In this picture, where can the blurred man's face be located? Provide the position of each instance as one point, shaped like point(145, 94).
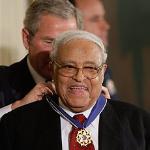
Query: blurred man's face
point(94, 18)
point(39, 46)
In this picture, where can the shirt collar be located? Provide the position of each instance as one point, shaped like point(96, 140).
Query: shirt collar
point(85, 113)
point(37, 78)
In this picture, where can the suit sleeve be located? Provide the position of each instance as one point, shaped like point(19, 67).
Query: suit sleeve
point(6, 134)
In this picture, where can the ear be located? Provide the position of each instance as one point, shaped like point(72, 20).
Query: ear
point(26, 38)
point(103, 71)
point(104, 67)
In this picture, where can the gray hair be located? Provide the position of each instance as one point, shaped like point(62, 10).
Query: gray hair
point(65, 37)
point(60, 8)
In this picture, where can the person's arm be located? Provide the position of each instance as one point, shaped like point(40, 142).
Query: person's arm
point(35, 94)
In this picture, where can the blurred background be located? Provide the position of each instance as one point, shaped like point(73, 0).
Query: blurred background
point(11, 23)
point(129, 48)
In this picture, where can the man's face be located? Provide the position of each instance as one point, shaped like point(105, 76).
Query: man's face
point(39, 46)
point(78, 92)
point(94, 18)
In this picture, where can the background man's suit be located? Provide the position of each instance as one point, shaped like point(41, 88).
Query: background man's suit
point(36, 126)
point(15, 82)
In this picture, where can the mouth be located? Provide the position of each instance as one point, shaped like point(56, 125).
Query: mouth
point(78, 90)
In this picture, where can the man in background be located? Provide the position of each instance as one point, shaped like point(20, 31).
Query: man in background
point(44, 20)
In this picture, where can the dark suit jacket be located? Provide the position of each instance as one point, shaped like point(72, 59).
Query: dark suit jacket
point(15, 82)
point(37, 127)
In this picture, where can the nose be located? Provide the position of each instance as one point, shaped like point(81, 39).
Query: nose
point(105, 25)
point(79, 76)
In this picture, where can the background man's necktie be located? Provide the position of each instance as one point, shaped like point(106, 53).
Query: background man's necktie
point(73, 144)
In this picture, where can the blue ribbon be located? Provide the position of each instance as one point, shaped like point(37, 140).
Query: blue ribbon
point(96, 110)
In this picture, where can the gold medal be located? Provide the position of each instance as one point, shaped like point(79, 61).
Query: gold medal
point(84, 137)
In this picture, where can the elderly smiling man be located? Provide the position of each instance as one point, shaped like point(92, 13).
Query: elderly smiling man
point(77, 116)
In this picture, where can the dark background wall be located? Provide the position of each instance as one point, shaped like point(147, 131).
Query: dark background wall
point(129, 49)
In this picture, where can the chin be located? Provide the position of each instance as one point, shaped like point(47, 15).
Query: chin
point(78, 109)
point(79, 102)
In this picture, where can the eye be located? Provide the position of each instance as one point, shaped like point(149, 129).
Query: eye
point(96, 19)
point(48, 41)
point(67, 66)
point(90, 68)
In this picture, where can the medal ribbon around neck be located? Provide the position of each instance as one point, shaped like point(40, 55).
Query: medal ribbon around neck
point(96, 110)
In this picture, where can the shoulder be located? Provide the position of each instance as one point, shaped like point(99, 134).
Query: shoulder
point(13, 73)
point(122, 106)
point(4, 70)
point(30, 110)
point(127, 110)
point(27, 116)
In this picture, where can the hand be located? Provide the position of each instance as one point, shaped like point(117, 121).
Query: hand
point(105, 92)
point(35, 94)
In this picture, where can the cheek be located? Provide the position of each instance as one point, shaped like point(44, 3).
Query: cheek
point(34, 47)
point(60, 83)
point(38, 46)
point(40, 52)
point(96, 86)
point(89, 27)
point(99, 79)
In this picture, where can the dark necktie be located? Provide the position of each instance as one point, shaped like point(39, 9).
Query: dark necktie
point(78, 138)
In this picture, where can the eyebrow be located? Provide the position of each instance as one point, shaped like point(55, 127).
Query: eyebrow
point(48, 38)
point(96, 17)
point(73, 62)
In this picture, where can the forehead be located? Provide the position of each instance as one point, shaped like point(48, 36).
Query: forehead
point(80, 51)
point(54, 25)
point(91, 7)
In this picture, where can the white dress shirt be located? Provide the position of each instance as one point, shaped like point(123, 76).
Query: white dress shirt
point(66, 128)
point(37, 78)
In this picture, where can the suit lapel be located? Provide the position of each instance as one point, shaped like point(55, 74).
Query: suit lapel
point(50, 137)
point(110, 129)
point(56, 132)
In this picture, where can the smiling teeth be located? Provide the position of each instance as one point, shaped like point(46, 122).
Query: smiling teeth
point(79, 88)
